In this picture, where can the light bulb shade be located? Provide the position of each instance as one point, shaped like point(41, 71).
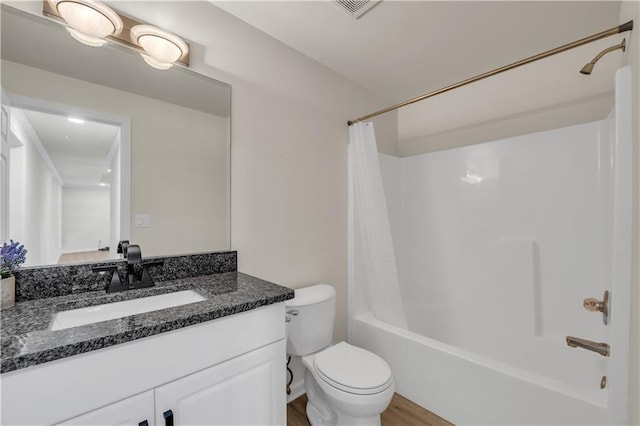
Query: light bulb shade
point(155, 63)
point(88, 17)
point(85, 39)
point(159, 45)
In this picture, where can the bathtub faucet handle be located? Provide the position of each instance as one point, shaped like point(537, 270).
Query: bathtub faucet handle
point(594, 305)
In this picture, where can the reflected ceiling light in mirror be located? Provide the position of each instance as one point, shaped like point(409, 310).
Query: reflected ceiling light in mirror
point(161, 48)
point(75, 120)
point(90, 20)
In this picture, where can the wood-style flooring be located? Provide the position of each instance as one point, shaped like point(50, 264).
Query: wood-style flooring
point(401, 412)
point(83, 256)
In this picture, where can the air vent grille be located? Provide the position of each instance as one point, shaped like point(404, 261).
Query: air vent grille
point(357, 8)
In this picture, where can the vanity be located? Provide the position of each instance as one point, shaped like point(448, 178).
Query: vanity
point(220, 360)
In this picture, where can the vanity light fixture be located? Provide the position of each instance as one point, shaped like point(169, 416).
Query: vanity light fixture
point(90, 21)
point(94, 23)
point(75, 120)
point(161, 48)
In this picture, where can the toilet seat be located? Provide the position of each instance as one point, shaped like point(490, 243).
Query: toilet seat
point(352, 369)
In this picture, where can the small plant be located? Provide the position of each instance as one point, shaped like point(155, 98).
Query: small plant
point(12, 256)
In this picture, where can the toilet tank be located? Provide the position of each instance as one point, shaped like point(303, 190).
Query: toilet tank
point(310, 317)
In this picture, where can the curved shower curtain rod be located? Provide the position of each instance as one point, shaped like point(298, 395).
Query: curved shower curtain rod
point(627, 26)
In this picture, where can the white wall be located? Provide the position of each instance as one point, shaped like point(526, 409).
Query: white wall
point(35, 195)
point(85, 219)
point(554, 117)
point(17, 202)
point(114, 203)
point(51, 229)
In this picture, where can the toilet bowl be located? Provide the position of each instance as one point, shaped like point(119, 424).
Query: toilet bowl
point(345, 385)
point(355, 383)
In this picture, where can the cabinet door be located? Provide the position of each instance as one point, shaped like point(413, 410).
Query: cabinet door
point(246, 390)
point(131, 411)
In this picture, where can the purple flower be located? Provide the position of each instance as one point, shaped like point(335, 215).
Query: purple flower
point(12, 256)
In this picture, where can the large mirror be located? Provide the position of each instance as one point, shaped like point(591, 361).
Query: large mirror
point(99, 147)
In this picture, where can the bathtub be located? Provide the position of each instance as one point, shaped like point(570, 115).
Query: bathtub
point(466, 388)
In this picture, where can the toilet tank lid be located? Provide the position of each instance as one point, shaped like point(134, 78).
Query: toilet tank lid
point(311, 295)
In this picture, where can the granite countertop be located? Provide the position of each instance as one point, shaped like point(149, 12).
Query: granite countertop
point(27, 339)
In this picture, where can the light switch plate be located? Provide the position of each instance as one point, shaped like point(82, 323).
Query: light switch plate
point(143, 221)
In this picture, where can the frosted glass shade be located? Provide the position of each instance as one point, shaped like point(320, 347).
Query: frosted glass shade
point(161, 47)
point(89, 18)
point(85, 39)
point(155, 63)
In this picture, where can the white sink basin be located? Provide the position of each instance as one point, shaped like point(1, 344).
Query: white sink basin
point(108, 311)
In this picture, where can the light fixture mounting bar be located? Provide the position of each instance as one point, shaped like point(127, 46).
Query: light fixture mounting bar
point(123, 38)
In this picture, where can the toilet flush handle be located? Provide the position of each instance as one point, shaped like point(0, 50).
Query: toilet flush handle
point(293, 312)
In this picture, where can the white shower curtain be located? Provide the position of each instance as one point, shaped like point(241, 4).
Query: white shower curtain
point(373, 245)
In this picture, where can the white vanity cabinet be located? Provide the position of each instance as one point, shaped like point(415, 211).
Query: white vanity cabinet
point(132, 411)
point(241, 391)
point(226, 371)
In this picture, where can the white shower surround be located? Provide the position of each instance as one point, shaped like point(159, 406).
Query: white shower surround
point(497, 245)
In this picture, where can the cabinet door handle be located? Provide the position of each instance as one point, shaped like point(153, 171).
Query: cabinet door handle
point(143, 423)
point(168, 418)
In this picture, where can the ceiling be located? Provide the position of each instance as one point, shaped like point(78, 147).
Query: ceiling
point(403, 49)
point(80, 152)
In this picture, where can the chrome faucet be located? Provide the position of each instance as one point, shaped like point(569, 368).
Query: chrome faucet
point(576, 342)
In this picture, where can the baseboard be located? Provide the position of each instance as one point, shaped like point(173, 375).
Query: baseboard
point(297, 390)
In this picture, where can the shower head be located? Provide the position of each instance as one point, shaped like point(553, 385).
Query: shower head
point(589, 66)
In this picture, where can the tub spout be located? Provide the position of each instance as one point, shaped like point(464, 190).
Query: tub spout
point(576, 342)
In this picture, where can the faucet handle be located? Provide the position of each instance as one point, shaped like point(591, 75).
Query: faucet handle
point(594, 305)
point(598, 347)
point(134, 254)
point(122, 247)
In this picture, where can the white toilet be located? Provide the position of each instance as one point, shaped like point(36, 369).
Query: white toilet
point(345, 385)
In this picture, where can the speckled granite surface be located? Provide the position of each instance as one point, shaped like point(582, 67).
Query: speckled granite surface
point(26, 339)
point(49, 281)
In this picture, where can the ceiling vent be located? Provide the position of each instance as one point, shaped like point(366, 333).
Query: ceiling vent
point(357, 8)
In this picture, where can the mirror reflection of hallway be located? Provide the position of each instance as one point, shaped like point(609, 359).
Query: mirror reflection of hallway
point(64, 187)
